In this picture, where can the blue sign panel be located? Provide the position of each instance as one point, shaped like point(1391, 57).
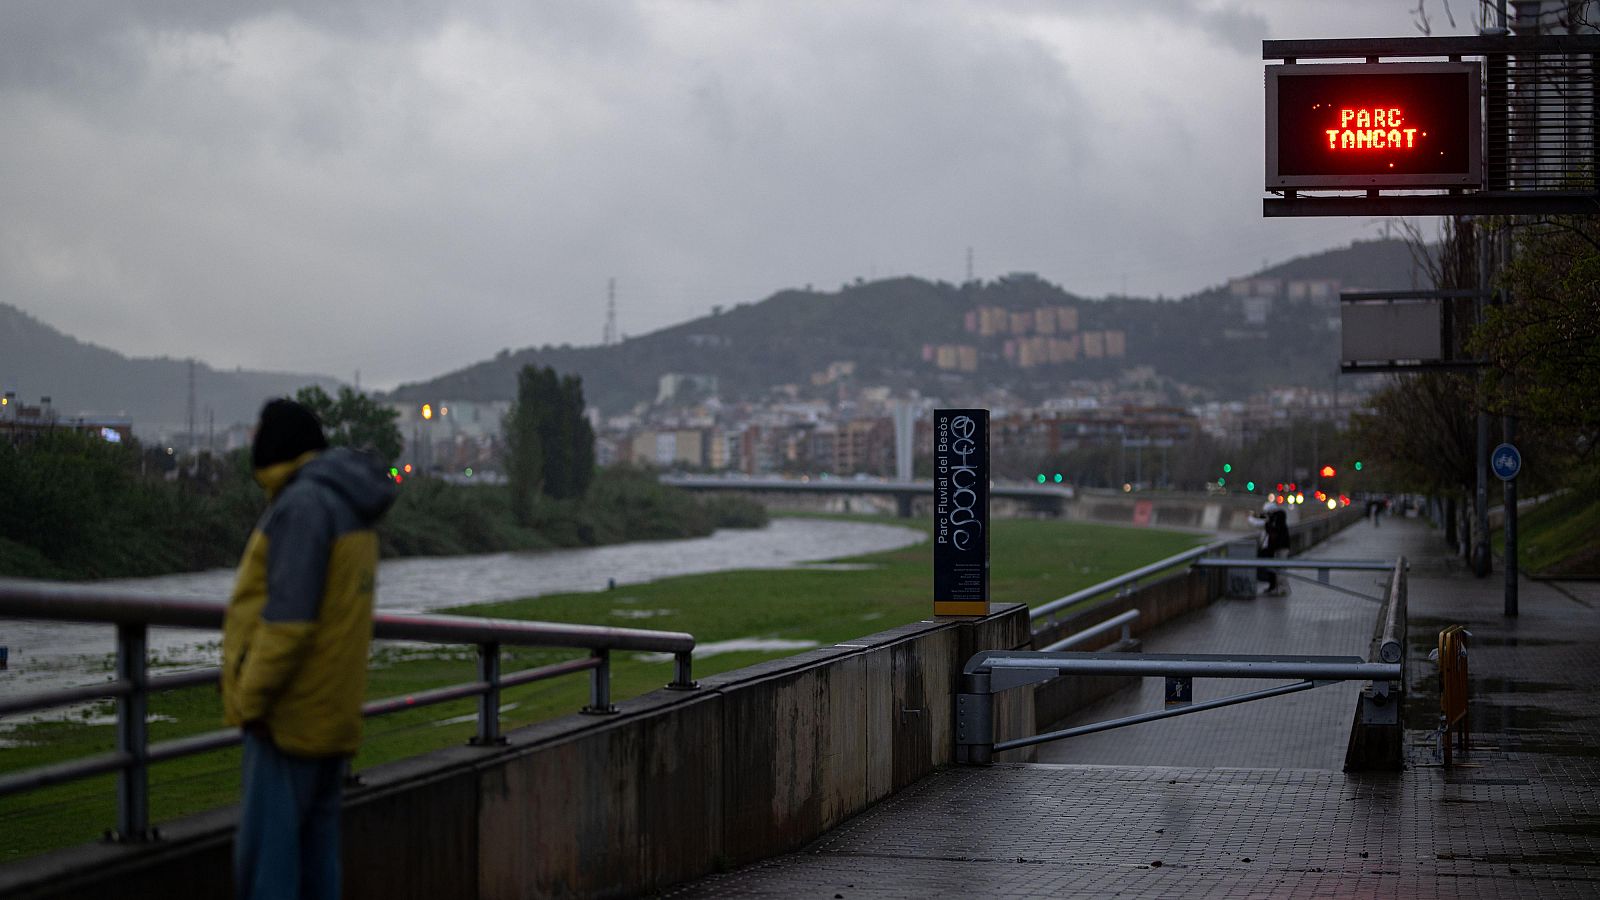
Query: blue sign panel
point(1505, 462)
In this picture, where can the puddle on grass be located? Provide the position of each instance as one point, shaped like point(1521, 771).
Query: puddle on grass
point(764, 645)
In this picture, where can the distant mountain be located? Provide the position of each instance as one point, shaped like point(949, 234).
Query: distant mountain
point(1215, 340)
point(38, 361)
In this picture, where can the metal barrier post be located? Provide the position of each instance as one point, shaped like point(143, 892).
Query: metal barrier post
point(975, 721)
point(489, 701)
point(133, 781)
point(600, 685)
point(682, 672)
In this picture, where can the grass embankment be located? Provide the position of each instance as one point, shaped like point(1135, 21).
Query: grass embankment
point(77, 507)
point(1032, 562)
point(1557, 538)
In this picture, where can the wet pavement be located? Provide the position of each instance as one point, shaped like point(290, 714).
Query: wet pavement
point(1257, 806)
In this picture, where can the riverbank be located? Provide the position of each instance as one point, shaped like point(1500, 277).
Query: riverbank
point(738, 617)
point(79, 508)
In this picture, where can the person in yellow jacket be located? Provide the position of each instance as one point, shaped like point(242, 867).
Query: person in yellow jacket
point(294, 650)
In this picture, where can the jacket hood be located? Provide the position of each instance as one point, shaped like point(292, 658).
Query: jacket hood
point(358, 478)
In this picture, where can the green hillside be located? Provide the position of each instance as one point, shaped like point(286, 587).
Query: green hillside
point(39, 361)
point(882, 327)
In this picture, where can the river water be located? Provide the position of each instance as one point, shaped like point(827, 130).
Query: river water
point(54, 654)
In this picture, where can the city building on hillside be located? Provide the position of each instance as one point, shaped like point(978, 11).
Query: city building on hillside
point(677, 386)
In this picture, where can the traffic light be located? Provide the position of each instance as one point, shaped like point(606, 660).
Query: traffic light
point(1327, 472)
point(1222, 482)
point(1057, 478)
point(1358, 465)
point(1249, 485)
point(1041, 478)
point(1227, 468)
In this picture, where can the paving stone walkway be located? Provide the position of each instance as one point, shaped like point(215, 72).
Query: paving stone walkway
point(1258, 808)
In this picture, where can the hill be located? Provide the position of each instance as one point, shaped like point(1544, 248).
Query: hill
point(80, 378)
point(1224, 344)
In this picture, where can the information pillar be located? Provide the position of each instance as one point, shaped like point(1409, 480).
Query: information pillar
point(961, 512)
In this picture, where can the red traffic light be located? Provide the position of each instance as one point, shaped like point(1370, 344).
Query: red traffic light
point(1327, 471)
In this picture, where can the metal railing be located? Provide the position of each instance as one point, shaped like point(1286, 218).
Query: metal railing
point(1044, 615)
point(990, 672)
point(1123, 620)
point(133, 615)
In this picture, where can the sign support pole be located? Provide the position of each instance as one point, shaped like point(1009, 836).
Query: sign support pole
point(1509, 427)
point(1481, 564)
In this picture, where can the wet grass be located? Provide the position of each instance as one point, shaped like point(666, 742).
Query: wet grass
point(1032, 561)
point(1556, 539)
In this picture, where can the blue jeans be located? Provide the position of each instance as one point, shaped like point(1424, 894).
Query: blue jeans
point(288, 840)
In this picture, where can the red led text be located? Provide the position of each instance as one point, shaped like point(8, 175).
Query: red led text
point(1371, 129)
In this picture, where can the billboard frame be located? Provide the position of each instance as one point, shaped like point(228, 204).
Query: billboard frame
point(1448, 322)
point(1472, 177)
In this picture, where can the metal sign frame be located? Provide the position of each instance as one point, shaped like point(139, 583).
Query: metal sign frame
point(1517, 176)
point(1448, 356)
point(1471, 174)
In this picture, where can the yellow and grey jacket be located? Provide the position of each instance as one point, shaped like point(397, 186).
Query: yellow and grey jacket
point(299, 624)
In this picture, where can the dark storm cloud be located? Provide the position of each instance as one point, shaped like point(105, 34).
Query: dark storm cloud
point(404, 188)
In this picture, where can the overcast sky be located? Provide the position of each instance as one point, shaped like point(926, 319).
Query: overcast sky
point(403, 188)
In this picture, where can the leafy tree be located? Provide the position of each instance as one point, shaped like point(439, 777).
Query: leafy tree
point(549, 443)
point(1544, 346)
point(570, 468)
point(1421, 434)
point(355, 420)
point(524, 443)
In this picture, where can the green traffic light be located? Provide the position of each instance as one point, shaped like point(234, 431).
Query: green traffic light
point(1358, 465)
point(1041, 478)
point(1222, 482)
point(1249, 485)
point(1058, 478)
point(1227, 467)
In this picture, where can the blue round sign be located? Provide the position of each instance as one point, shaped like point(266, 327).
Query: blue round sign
point(1505, 462)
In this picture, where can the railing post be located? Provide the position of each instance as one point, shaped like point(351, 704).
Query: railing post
point(600, 686)
point(975, 721)
point(489, 701)
point(133, 782)
point(682, 672)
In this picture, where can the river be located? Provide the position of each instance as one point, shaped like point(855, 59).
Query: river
point(54, 654)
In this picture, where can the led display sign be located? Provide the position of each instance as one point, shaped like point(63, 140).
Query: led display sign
point(1374, 125)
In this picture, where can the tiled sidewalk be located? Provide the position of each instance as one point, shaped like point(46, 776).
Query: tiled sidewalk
point(1519, 818)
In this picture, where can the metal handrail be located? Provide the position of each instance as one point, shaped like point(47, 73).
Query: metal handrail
point(1048, 610)
point(133, 614)
point(1124, 620)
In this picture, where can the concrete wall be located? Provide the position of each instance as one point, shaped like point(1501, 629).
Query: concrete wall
point(755, 763)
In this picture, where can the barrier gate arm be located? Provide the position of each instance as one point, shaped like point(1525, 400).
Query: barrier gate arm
point(992, 671)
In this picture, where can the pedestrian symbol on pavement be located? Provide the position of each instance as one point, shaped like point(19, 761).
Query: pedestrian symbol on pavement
point(1180, 690)
point(1506, 462)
